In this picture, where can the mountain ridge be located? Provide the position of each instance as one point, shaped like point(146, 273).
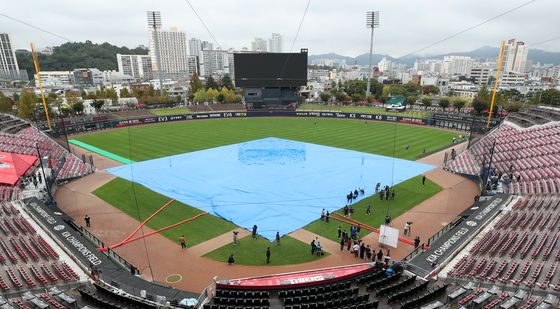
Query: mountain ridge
point(484, 52)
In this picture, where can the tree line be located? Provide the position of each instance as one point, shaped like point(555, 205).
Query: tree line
point(73, 55)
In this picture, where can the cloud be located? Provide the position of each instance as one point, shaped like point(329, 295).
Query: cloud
point(329, 26)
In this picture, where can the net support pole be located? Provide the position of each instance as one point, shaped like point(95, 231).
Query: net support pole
point(496, 82)
point(38, 70)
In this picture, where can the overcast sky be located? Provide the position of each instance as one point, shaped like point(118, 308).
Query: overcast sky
point(330, 26)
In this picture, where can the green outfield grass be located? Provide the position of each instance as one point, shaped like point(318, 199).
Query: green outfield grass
point(119, 193)
point(407, 195)
point(170, 111)
point(253, 252)
point(159, 140)
point(361, 109)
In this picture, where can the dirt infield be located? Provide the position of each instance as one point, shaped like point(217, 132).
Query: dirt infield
point(166, 257)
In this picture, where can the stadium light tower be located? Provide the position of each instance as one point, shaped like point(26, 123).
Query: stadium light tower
point(154, 22)
point(372, 23)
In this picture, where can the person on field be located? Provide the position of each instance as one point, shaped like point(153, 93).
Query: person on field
point(88, 221)
point(267, 255)
point(235, 235)
point(327, 216)
point(183, 242)
point(423, 180)
point(254, 233)
point(231, 260)
point(368, 209)
point(278, 238)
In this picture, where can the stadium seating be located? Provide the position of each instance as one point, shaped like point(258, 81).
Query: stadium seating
point(521, 249)
point(530, 157)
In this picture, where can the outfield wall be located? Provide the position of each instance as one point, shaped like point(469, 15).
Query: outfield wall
point(450, 122)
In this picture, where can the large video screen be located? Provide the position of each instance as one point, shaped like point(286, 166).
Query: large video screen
point(270, 69)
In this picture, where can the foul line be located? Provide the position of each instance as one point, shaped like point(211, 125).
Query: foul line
point(100, 151)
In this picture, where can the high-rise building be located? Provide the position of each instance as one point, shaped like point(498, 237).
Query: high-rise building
point(195, 47)
point(168, 50)
point(216, 63)
point(384, 64)
point(275, 43)
point(258, 45)
point(207, 45)
point(9, 69)
point(138, 67)
point(515, 56)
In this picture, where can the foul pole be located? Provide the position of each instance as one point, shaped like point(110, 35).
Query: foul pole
point(37, 70)
point(496, 82)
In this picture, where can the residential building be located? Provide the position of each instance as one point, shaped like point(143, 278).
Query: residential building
point(258, 45)
point(215, 63)
point(385, 64)
point(54, 79)
point(138, 67)
point(456, 65)
point(9, 69)
point(513, 79)
point(275, 43)
point(481, 74)
point(171, 46)
point(195, 47)
point(463, 89)
point(192, 65)
point(207, 45)
point(514, 57)
point(87, 77)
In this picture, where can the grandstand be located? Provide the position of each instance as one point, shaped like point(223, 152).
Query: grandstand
point(505, 251)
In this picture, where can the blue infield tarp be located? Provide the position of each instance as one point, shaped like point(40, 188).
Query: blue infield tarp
point(279, 185)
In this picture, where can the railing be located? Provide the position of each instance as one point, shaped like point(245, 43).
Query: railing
point(206, 295)
point(437, 235)
point(110, 253)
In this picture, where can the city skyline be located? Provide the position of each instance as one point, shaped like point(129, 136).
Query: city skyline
point(326, 28)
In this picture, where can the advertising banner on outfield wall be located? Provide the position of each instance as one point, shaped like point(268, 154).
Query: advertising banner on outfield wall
point(100, 125)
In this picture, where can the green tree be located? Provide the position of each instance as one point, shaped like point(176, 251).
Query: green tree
point(231, 97)
point(426, 101)
point(69, 56)
point(200, 96)
point(78, 107)
point(6, 103)
point(444, 103)
point(221, 97)
point(459, 103)
point(194, 86)
point(370, 98)
point(111, 93)
point(355, 87)
point(227, 82)
point(211, 83)
point(212, 94)
point(27, 102)
point(430, 89)
point(98, 104)
point(479, 105)
point(357, 97)
point(325, 96)
point(550, 97)
point(124, 93)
